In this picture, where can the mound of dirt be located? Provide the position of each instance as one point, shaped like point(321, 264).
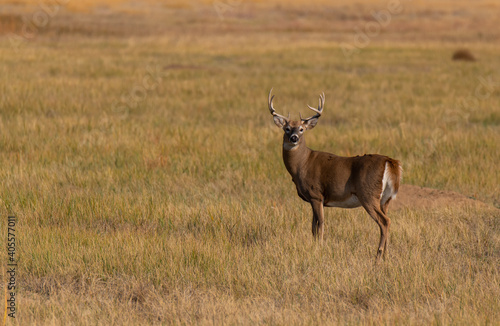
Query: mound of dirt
point(419, 197)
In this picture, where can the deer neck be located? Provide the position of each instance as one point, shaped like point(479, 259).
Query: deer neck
point(295, 157)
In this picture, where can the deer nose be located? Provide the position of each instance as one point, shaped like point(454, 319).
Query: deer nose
point(294, 138)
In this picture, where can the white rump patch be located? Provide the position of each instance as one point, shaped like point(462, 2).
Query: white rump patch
point(387, 186)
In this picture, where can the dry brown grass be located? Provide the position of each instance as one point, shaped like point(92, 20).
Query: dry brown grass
point(328, 20)
point(177, 209)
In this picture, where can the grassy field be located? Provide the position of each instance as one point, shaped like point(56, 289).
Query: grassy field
point(145, 171)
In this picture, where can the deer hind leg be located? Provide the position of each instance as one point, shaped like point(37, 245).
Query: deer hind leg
point(385, 208)
point(384, 223)
point(318, 220)
point(315, 226)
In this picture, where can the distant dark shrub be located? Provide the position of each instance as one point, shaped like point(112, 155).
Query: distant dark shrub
point(464, 55)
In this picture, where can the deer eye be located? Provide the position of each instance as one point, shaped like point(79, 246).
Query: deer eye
point(287, 130)
point(301, 129)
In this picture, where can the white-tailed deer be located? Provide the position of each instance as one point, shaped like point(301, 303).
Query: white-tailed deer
point(324, 179)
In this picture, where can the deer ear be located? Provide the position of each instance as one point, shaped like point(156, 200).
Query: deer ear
point(279, 121)
point(311, 123)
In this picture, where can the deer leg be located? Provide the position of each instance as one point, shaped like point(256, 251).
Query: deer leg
point(383, 222)
point(384, 233)
point(315, 226)
point(385, 208)
point(318, 220)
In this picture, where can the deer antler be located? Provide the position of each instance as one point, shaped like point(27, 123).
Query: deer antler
point(318, 111)
point(271, 108)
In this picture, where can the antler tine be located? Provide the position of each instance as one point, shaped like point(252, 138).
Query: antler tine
point(271, 108)
point(315, 110)
point(319, 110)
point(270, 101)
point(322, 100)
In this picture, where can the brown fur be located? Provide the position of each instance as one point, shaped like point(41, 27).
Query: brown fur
point(324, 179)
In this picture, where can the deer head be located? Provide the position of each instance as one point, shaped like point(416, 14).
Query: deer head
point(295, 129)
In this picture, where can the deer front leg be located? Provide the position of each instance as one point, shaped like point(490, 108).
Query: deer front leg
point(318, 219)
